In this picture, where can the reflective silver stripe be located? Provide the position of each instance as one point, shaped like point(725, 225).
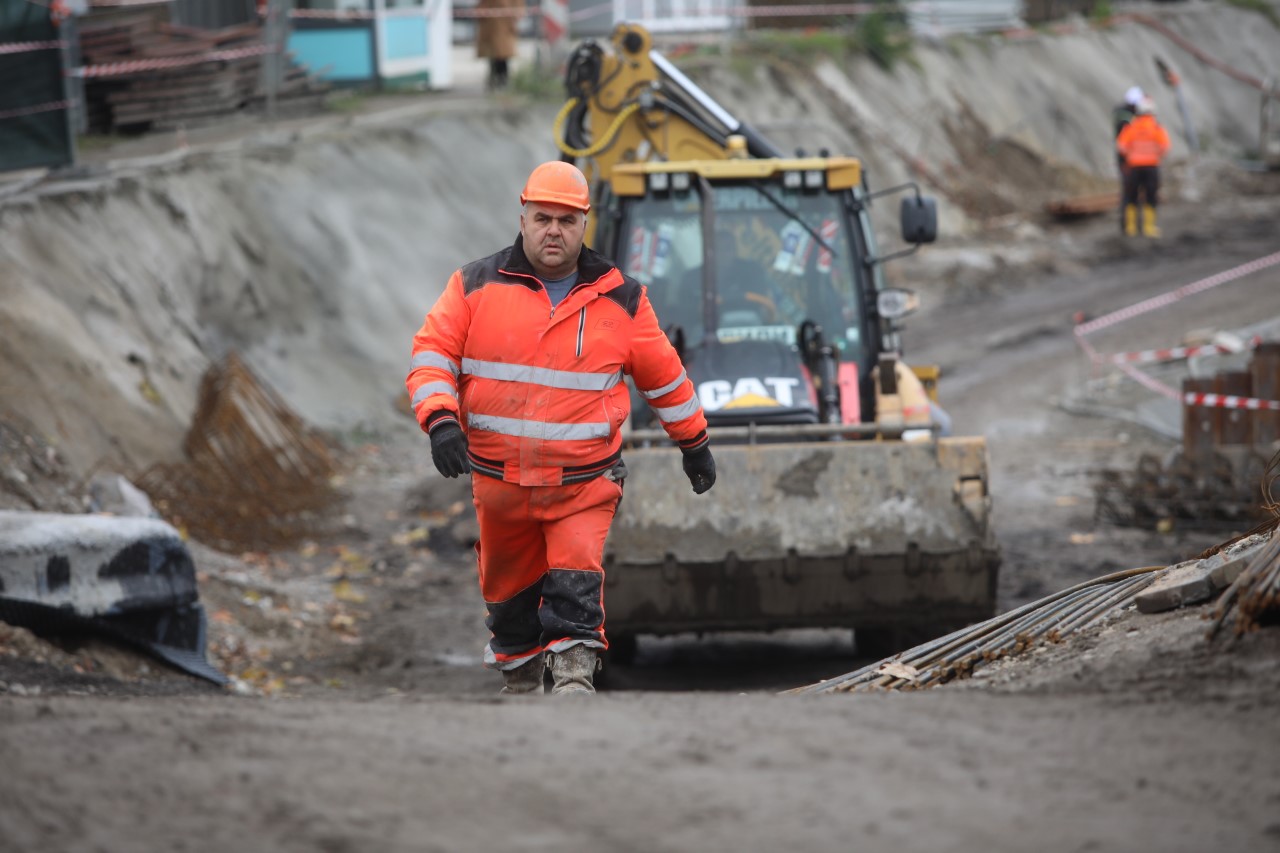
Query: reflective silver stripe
point(582, 325)
point(434, 359)
point(564, 645)
point(537, 429)
point(666, 389)
point(433, 388)
point(569, 380)
point(492, 662)
point(671, 414)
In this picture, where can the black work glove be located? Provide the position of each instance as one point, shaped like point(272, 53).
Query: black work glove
point(700, 468)
point(449, 449)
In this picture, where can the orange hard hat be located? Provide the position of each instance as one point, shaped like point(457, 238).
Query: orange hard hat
point(557, 182)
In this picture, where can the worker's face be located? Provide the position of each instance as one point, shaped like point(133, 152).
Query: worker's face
point(553, 236)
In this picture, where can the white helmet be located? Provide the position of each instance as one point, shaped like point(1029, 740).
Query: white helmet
point(1133, 95)
point(1145, 107)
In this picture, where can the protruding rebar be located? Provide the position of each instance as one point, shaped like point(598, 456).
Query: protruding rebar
point(957, 654)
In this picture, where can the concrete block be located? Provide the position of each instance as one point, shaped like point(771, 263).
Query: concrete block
point(1199, 580)
point(1178, 586)
point(1224, 570)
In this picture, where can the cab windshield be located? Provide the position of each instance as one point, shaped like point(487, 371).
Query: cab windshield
point(782, 256)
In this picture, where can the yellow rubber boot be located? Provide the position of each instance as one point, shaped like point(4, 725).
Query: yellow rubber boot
point(1149, 227)
point(1131, 220)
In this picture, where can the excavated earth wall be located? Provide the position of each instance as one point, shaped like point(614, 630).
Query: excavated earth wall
point(316, 251)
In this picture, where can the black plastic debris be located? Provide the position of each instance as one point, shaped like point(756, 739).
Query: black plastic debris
point(131, 580)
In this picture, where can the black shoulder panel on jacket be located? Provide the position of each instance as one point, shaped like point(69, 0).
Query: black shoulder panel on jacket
point(491, 270)
point(592, 266)
point(627, 295)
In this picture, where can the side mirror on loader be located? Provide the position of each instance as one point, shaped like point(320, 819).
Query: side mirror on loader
point(919, 216)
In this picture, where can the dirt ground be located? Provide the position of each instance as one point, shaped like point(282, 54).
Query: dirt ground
point(359, 717)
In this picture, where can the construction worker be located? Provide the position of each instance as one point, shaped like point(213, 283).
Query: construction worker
point(1143, 143)
point(517, 376)
point(497, 34)
point(1121, 115)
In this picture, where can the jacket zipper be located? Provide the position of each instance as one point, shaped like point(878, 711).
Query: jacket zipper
point(582, 325)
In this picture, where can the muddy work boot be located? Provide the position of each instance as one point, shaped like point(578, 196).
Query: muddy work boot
point(572, 670)
point(527, 677)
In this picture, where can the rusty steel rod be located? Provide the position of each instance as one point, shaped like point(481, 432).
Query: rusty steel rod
point(938, 660)
point(1118, 599)
point(1038, 623)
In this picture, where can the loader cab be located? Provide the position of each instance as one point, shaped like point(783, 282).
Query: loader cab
point(753, 267)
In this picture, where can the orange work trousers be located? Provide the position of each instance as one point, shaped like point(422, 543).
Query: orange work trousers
point(540, 557)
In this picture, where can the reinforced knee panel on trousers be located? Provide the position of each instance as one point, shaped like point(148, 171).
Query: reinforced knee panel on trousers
point(514, 624)
point(572, 605)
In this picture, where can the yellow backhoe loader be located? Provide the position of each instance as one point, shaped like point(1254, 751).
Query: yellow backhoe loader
point(840, 503)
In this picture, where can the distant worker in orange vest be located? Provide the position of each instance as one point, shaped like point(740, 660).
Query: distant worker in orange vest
point(1143, 143)
point(518, 377)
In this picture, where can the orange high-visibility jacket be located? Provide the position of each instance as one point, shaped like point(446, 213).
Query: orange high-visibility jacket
point(1143, 141)
point(540, 390)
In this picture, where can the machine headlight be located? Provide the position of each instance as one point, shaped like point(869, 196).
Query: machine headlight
point(791, 180)
point(680, 181)
point(659, 182)
point(813, 179)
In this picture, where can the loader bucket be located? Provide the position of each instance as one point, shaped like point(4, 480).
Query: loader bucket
point(865, 534)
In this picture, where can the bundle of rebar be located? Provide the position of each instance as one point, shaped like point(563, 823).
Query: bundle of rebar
point(959, 653)
point(1253, 600)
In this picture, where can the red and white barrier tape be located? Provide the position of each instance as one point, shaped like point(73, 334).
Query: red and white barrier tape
point(1225, 401)
point(427, 11)
point(491, 13)
point(30, 46)
point(1149, 382)
point(34, 110)
point(794, 11)
point(1124, 361)
point(136, 66)
point(1155, 356)
point(715, 11)
point(1192, 398)
point(1155, 302)
point(331, 14)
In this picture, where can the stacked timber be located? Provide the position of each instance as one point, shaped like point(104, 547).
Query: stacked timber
point(144, 73)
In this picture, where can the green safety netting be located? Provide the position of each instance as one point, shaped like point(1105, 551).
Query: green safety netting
point(33, 131)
